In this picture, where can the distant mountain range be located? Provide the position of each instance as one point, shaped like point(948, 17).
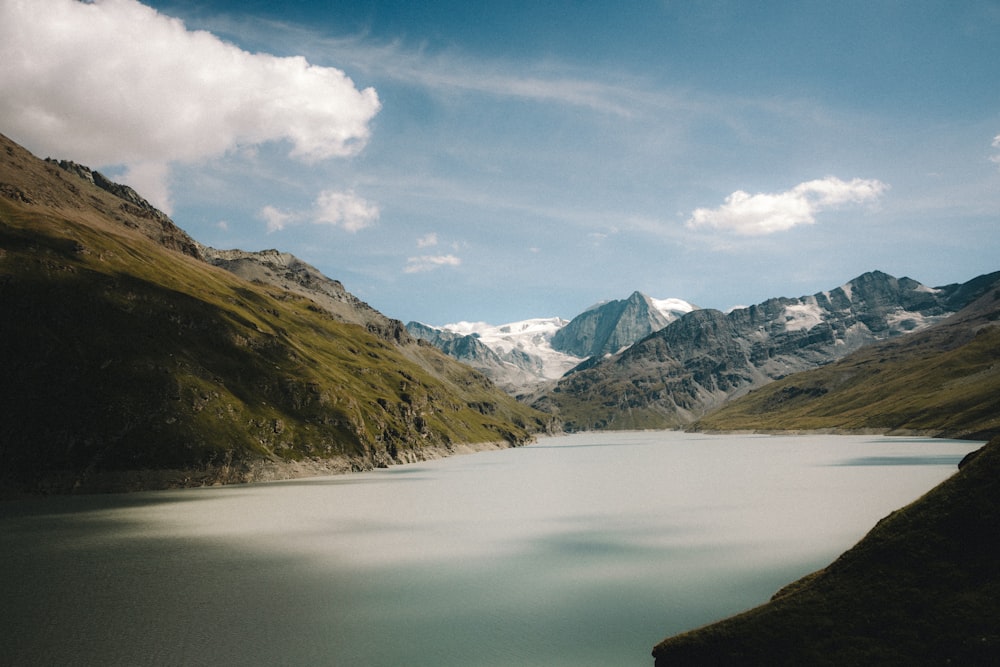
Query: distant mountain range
point(696, 363)
point(134, 357)
point(521, 356)
point(943, 380)
point(646, 363)
point(517, 356)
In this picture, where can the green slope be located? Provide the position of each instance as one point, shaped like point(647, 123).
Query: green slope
point(119, 354)
point(941, 381)
point(922, 588)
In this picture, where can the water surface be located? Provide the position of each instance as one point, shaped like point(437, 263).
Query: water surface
point(579, 550)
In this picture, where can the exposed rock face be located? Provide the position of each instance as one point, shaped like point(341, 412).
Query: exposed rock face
point(153, 223)
point(697, 362)
point(610, 327)
point(66, 186)
point(942, 380)
point(467, 349)
point(284, 270)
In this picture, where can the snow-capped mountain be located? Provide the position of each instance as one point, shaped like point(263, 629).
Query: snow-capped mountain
point(702, 359)
point(519, 356)
point(612, 326)
point(514, 361)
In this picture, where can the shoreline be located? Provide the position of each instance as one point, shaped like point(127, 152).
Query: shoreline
point(131, 481)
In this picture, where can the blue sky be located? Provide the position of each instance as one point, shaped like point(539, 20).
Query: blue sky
point(497, 161)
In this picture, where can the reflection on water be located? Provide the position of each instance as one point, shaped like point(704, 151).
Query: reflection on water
point(582, 550)
point(929, 460)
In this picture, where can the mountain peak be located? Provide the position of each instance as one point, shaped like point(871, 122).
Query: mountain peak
point(614, 325)
point(68, 186)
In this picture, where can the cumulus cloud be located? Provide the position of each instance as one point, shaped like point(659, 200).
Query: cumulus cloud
point(429, 263)
point(344, 209)
point(276, 219)
point(111, 82)
point(337, 209)
point(767, 213)
point(427, 240)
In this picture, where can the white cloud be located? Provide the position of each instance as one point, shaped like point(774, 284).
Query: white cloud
point(344, 209)
point(276, 220)
point(996, 144)
point(152, 181)
point(430, 263)
point(112, 82)
point(427, 240)
point(337, 209)
point(767, 213)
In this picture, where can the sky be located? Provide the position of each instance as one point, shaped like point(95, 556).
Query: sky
point(498, 161)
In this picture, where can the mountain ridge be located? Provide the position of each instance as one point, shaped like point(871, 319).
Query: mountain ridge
point(132, 362)
point(706, 357)
point(931, 381)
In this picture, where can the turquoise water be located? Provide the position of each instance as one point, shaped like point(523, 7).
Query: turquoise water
point(579, 550)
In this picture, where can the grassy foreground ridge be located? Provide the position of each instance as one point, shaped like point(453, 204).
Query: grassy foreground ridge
point(922, 588)
point(124, 358)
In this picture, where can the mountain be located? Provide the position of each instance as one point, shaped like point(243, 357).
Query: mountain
point(511, 373)
point(706, 357)
point(922, 588)
point(943, 380)
point(283, 270)
point(614, 325)
point(517, 356)
point(132, 361)
point(531, 353)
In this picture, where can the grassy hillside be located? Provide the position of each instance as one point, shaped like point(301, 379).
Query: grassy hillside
point(922, 588)
point(119, 354)
point(941, 381)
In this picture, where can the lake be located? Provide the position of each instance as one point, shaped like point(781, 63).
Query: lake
point(578, 550)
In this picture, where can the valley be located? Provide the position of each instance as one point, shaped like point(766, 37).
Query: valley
point(137, 358)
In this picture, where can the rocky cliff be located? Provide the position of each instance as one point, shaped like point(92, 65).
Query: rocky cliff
point(610, 327)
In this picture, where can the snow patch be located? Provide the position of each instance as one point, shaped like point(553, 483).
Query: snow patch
point(672, 308)
point(906, 321)
point(803, 316)
point(533, 337)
